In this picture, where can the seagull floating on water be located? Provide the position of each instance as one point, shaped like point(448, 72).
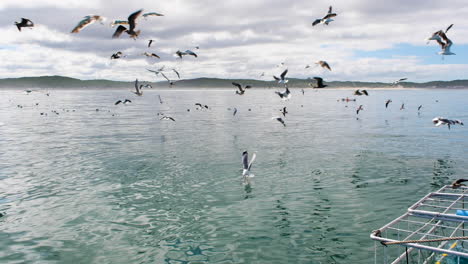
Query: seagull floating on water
point(24, 23)
point(326, 19)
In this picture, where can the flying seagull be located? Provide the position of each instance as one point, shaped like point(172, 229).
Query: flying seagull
point(359, 109)
point(398, 81)
point(126, 101)
point(116, 55)
point(131, 24)
point(187, 52)
point(246, 165)
point(419, 107)
point(153, 55)
point(361, 92)
point(167, 118)
point(279, 119)
point(402, 107)
point(165, 77)
point(319, 83)
point(284, 95)
point(235, 112)
point(326, 19)
point(284, 111)
point(87, 20)
point(24, 23)
point(157, 71)
point(119, 22)
point(444, 121)
point(281, 79)
point(445, 45)
point(152, 14)
point(150, 42)
point(387, 103)
point(436, 36)
point(160, 100)
point(324, 65)
point(240, 90)
point(138, 90)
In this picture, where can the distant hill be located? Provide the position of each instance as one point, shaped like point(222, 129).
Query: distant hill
point(67, 82)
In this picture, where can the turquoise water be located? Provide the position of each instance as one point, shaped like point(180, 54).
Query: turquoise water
point(120, 186)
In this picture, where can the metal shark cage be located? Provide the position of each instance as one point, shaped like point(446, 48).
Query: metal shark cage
point(433, 230)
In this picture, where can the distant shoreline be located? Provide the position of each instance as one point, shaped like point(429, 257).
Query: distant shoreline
point(61, 82)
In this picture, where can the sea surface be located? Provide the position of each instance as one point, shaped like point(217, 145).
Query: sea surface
point(105, 183)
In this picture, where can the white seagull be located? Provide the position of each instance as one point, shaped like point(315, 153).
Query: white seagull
point(247, 165)
point(326, 19)
point(438, 121)
point(282, 79)
point(286, 95)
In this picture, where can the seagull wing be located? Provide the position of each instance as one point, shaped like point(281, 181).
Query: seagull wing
point(252, 161)
point(449, 27)
point(365, 92)
point(165, 77)
point(149, 43)
point(155, 55)
point(152, 14)
point(178, 75)
point(88, 20)
point(120, 29)
point(316, 21)
point(284, 74)
point(118, 102)
point(329, 16)
point(330, 10)
point(189, 52)
point(245, 160)
point(132, 19)
point(136, 86)
point(276, 78)
point(237, 85)
point(324, 64)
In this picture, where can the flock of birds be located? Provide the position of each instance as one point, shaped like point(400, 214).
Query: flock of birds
point(129, 27)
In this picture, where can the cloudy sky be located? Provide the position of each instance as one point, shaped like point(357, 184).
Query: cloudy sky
point(370, 40)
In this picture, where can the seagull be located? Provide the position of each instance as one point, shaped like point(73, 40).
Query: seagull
point(445, 46)
point(152, 14)
point(419, 107)
point(282, 76)
point(154, 55)
point(116, 55)
point(187, 52)
point(247, 165)
point(165, 77)
point(402, 106)
point(126, 101)
point(160, 100)
point(241, 90)
point(398, 81)
point(148, 86)
point(263, 74)
point(132, 24)
point(459, 183)
point(303, 92)
point(279, 119)
point(284, 111)
point(307, 66)
point(157, 71)
point(319, 83)
point(167, 118)
point(284, 95)
point(24, 23)
point(119, 22)
point(87, 20)
point(326, 19)
point(202, 106)
point(324, 65)
point(436, 36)
point(444, 121)
point(361, 92)
point(176, 72)
point(138, 90)
point(235, 112)
point(387, 103)
point(150, 42)
point(359, 109)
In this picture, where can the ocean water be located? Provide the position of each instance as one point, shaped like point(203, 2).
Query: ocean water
point(118, 185)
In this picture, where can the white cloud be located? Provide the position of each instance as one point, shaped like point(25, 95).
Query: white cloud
point(237, 39)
